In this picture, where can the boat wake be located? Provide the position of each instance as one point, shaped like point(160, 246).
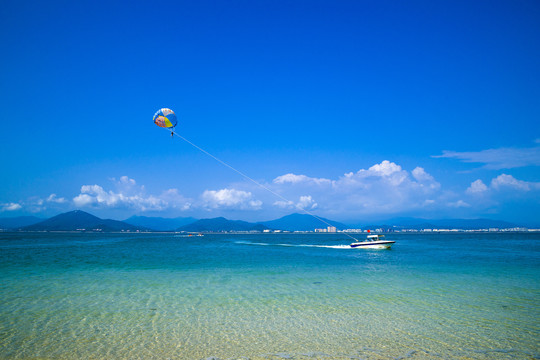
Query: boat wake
point(294, 245)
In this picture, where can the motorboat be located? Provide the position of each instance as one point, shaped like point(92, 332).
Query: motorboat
point(373, 242)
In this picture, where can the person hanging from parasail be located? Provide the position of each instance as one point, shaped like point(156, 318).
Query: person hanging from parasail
point(165, 118)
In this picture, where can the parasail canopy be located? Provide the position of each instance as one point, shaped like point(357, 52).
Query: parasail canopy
point(165, 118)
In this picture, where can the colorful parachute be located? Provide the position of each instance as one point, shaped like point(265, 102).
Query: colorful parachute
point(165, 118)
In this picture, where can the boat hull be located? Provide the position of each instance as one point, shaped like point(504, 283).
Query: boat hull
point(373, 244)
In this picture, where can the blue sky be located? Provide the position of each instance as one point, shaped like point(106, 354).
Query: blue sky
point(353, 110)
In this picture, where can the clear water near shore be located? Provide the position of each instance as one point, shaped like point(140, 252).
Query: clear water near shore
point(268, 296)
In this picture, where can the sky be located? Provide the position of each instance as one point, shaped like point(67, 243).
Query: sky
point(351, 110)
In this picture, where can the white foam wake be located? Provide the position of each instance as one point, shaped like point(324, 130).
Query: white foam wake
point(294, 245)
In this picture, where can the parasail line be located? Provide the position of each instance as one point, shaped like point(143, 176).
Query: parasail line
point(253, 181)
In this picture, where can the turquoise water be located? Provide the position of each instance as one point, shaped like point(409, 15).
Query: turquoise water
point(271, 296)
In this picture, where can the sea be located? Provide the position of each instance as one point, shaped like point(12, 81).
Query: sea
point(269, 296)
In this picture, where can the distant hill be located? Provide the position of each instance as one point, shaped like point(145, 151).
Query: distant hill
point(13, 223)
point(159, 223)
point(76, 220)
point(302, 222)
point(221, 224)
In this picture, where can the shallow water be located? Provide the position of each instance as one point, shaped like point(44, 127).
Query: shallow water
point(271, 296)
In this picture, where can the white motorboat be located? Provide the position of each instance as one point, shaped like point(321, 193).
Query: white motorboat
point(373, 242)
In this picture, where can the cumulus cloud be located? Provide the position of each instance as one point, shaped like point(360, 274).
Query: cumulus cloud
point(501, 193)
point(230, 199)
point(10, 207)
point(386, 173)
point(477, 187)
point(83, 199)
point(175, 200)
point(305, 202)
point(425, 179)
point(126, 181)
point(299, 179)
point(508, 181)
point(388, 176)
point(95, 195)
point(386, 168)
point(130, 196)
point(502, 158)
point(503, 182)
point(382, 188)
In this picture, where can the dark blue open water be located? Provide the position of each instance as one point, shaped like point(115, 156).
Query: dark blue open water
point(271, 296)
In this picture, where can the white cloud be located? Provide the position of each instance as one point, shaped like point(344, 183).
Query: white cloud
point(386, 172)
point(459, 204)
point(176, 200)
point(386, 168)
point(501, 183)
point(500, 194)
point(508, 181)
point(83, 200)
point(230, 199)
point(126, 180)
point(129, 196)
point(425, 179)
point(383, 188)
point(96, 195)
point(305, 202)
point(477, 187)
point(54, 199)
point(501, 190)
point(297, 179)
point(388, 176)
point(422, 176)
point(284, 204)
point(35, 204)
point(290, 178)
point(502, 158)
point(10, 207)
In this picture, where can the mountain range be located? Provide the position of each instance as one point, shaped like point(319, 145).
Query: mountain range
point(302, 222)
point(293, 222)
point(78, 219)
point(160, 223)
